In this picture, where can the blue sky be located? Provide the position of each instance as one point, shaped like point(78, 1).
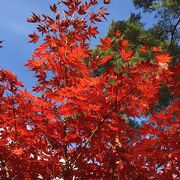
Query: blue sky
point(15, 29)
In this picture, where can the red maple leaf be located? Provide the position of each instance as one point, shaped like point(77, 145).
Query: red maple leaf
point(126, 55)
point(34, 38)
point(93, 31)
point(106, 43)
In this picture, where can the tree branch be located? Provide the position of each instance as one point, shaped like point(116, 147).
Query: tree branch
point(172, 34)
point(6, 169)
point(102, 121)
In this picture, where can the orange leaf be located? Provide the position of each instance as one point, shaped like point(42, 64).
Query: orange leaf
point(164, 58)
point(17, 151)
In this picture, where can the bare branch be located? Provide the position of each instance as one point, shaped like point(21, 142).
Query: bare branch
point(172, 34)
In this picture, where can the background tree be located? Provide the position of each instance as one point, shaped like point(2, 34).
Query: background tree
point(167, 12)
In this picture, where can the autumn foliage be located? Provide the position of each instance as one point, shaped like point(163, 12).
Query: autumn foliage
point(77, 126)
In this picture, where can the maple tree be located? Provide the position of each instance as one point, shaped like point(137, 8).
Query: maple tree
point(75, 128)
